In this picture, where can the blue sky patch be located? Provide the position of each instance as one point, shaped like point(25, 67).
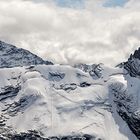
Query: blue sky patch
point(71, 3)
point(81, 3)
point(114, 3)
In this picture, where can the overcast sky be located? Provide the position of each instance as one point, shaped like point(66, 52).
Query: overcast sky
point(73, 31)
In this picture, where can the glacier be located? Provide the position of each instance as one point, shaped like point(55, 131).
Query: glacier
point(45, 101)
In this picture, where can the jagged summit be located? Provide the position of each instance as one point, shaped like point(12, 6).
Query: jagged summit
point(137, 54)
point(11, 56)
point(94, 70)
point(61, 102)
point(133, 64)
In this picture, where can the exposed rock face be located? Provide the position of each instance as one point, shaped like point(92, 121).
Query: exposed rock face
point(126, 106)
point(125, 110)
point(94, 70)
point(133, 122)
point(10, 56)
point(9, 91)
point(34, 135)
point(56, 76)
point(42, 100)
point(133, 64)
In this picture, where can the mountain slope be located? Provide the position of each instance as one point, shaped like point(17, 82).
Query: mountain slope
point(59, 100)
point(10, 56)
point(133, 64)
point(128, 104)
point(90, 102)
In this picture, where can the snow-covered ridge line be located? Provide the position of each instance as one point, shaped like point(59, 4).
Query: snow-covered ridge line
point(11, 56)
point(40, 105)
point(90, 102)
point(133, 64)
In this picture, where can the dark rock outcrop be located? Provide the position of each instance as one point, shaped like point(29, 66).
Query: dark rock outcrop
point(133, 64)
point(34, 135)
point(9, 92)
point(94, 70)
point(53, 76)
point(11, 56)
point(126, 108)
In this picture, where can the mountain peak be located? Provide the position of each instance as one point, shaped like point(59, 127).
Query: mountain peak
point(137, 53)
point(11, 56)
point(133, 64)
point(63, 102)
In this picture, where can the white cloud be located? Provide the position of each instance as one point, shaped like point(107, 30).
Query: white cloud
point(65, 35)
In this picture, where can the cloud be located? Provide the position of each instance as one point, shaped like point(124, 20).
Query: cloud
point(90, 34)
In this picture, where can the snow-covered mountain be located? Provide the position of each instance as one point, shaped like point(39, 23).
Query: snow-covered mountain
point(84, 102)
point(11, 56)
